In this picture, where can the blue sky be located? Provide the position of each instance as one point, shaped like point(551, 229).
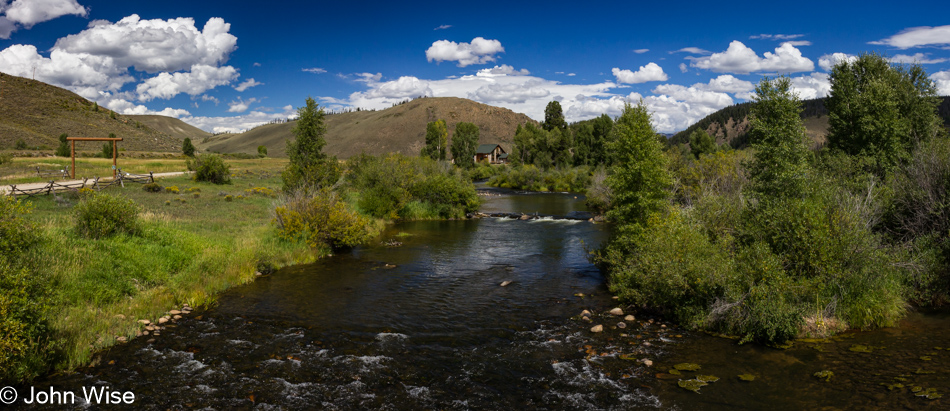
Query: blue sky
point(228, 66)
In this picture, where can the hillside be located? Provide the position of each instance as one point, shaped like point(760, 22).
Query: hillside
point(38, 113)
point(174, 127)
point(726, 128)
point(397, 129)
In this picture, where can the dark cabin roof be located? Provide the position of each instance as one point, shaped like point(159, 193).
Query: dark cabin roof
point(487, 148)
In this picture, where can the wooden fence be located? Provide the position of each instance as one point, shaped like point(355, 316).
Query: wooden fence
point(94, 184)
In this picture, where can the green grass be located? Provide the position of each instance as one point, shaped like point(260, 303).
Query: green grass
point(187, 252)
point(23, 169)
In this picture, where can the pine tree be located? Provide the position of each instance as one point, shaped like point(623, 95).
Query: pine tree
point(187, 148)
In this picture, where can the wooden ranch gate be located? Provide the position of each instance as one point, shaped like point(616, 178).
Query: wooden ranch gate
point(115, 150)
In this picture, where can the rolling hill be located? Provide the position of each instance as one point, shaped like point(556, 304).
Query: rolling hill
point(38, 113)
point(174, 127)
point(397, 129)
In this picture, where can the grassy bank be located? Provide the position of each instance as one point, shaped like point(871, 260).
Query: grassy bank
point(23, 169)
point(188, 246)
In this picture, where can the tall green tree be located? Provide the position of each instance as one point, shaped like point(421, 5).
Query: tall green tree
point(780, 167)
point(541, 148)
point(554, 117)
point(880, 110)
point(700, 142)
point(464, 144)
point(309, 165)
point(640, 180)
point(437, 137)
point(306, 149)
point(598, 150)
point(583, 136)
point(63, 150)
point(187, 148)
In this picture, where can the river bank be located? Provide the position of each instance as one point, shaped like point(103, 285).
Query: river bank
point(190, 248)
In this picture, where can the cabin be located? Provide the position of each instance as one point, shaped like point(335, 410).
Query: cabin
point(493, 152)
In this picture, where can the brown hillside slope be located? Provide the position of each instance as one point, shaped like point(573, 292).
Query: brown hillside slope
point(397, 129)
point(38, 113)
point(174, 127)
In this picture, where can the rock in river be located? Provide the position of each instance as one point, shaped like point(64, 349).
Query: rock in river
point(616, 311)
point(597, 328)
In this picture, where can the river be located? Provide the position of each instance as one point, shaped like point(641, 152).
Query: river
point(423, 322)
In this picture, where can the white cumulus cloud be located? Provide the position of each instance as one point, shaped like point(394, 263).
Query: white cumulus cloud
point(510, 92)
point(828, 61)
point(726, 83)
point(942, 78)
point(649, 72)
point(201, 78)
point(918, 37)
point(814, 85)
point(479, 51)
point(740, 59)
point(240, 106)
point(246, 84)
point(710, 100)
point(314, 70)
point(502, 70)
point(155, 45)
point(30, 12)
point(85, 74)
point(123, 106)
point(404, 87)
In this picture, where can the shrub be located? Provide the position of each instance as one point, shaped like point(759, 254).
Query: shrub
point(484, 170)
point(27, 345)
point(322, 173)
point(211, 168)
point(261, 151)
point(16, 233)
point(172, 189)
point(322, 220)
point(532, 178)
point(262, 191)
point(21, 145)
point(598, 193)
point(676, 269)
point(386, 185)
point(152, 188)
point(6, 158)
point(102, 215)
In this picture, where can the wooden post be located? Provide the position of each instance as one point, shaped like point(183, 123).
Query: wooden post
point(72, 153)
point(114, 154)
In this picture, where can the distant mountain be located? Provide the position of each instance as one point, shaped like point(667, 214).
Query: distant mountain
point(38, 113)
point(399, 129)
point(731, 124)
